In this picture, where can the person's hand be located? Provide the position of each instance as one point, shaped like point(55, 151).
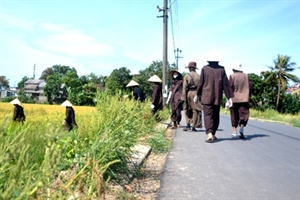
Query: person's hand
point(63, 123)
point(152, 106)
point(195, 99)
point(229, 103)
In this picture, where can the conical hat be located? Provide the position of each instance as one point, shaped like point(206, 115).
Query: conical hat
point(213, 56)
point(67, 103)
point(16, 101)
point(237, 65)
point(154, 79)
point(132, 83)
point(171, 72)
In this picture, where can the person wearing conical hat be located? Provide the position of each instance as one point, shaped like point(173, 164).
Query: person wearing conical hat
point(213, 81)
point(192, 110)
point(18, 111)
point(69, 121)
point(138, 93)
point(239, 111)
point(157, 97)
point(174, 97)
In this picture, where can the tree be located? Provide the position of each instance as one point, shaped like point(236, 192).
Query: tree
point(62, 70)
point(118, 80)
point(155, 68)
point(257, 88)
point(47, 72)
point(52, 87)
point(280, 72)
point(22, 82)
point(4, 83)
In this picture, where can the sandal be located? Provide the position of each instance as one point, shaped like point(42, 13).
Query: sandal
point(209, 140)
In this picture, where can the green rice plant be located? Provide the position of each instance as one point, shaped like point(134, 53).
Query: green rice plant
point(40, 159)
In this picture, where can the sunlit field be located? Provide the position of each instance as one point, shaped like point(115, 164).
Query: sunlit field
point(35, 152)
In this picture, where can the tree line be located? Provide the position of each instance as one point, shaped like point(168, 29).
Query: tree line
point(269, 88)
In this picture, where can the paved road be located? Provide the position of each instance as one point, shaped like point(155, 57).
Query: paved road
point(264, 166)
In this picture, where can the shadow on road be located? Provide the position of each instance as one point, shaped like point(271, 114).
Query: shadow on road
point(247, 137)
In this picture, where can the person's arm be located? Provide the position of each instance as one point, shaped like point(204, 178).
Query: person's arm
point(226, 86)
point(200, 85)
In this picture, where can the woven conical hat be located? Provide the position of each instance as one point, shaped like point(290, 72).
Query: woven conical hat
point(67, 103)
point(16, 101)
point(154, 79)
point(132, 83)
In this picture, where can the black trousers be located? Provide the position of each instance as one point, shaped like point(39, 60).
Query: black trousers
point(211, 118)
point(239, 114)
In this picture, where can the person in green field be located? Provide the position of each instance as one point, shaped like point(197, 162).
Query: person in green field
point(157, 97)
point(18, 111)
point(138, 93)
point(69, 121)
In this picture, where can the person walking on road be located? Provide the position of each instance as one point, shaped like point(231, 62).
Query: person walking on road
point(175, 97)
point(69, 121)
point(157, 97)
point(193, 110)
point(18, 111)
point(239, 111)
point(138, 93)
point(213, 81)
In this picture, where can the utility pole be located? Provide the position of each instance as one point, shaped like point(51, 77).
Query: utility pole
point(165, 49)
point(34, 71)
point(177, 51)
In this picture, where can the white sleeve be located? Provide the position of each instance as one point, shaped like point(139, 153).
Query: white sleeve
point(169, 96)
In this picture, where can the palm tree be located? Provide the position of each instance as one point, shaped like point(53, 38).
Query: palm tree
point(281, 74)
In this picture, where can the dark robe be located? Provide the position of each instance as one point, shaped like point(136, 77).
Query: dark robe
point(157, 97)
point(138, 94)
point(70, 118)
point(175, 100)
point(19, 113)
point(213, 81)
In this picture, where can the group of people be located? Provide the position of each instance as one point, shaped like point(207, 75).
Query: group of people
point(69, 122)
point(204, 92)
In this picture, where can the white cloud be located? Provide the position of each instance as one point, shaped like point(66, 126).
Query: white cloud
point(71, 42)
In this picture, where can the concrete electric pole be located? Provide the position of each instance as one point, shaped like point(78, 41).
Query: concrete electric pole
point(165, 49)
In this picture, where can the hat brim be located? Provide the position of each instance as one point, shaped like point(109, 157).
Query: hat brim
point(171, 72)
point(192, 67)
point(16, 102)
point(67, 104)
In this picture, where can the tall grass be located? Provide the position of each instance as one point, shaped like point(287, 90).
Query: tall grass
point(40, 159)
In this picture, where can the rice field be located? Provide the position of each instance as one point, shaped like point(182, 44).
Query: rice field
point(34, 153)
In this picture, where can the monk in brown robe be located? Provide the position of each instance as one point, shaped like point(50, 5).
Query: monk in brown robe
point(213, 81)
point(18, 111)
point(239, 111)
point(175, 97)
point(69, 121)
point(157, 97)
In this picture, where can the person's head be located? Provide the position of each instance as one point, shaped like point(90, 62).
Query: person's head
point(237, 66)
point(155, 79)
point(16, 102)
point(67, 104)
point(192, 66)
point(132, 84)
point(174, 74)
point(213, 57)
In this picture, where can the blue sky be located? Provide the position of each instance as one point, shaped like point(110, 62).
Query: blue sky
point(102, 35)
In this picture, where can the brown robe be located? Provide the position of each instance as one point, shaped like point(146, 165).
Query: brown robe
point(70, 118)
point(19, 113)
point(241, 86)
point(213, 81)
point(176, 103)
point(157, 97)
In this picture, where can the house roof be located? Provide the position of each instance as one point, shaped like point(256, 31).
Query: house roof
point(34, 81)
point(30, 87)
